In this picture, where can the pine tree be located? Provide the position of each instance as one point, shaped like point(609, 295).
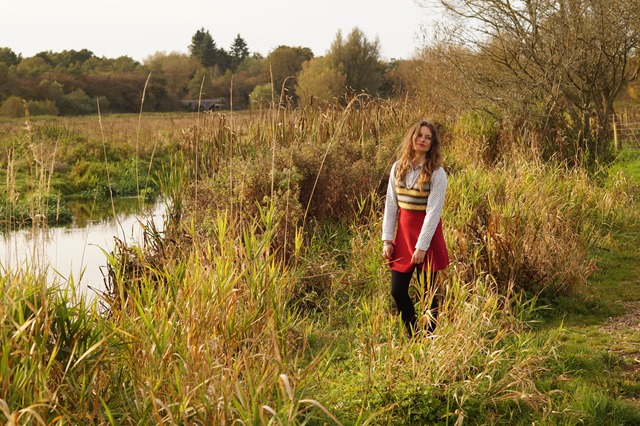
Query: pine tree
point(239, 51)
point(203, 48)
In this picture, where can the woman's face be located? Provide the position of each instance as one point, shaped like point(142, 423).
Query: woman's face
point(422, 140)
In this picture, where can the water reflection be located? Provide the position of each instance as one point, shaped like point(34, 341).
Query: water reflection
point(77, 251)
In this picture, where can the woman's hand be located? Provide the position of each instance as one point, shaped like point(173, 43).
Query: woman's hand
point(387, 250)
point(418, 257)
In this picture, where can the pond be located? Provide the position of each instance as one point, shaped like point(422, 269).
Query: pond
point(77, 252)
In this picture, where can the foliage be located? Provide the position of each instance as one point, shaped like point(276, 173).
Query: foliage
point(319, 81)
point(71, 82)
point(8, 57)
point(42, 108)
point(238, 52)
point(262, 95)
point(262, 302)
point(96, 179)
point(13, 106)
point(204, 49)
point(359, 59)
point(27, 211)
point(551, 70)
point(176, 69)
point(283, 65)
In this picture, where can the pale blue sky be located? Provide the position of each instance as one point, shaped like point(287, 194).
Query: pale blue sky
point(138, 28)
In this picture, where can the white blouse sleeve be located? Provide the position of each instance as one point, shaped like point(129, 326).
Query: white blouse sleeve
point(390, 208)
point(435, 203)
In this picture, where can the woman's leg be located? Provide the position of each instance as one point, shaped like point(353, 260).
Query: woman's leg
point(400, 291)
point(430, 293)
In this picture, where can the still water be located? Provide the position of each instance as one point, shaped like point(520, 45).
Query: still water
point(77, 252)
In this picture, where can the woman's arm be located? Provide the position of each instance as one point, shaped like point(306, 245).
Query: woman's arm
point(390, 208)
point(435, 204)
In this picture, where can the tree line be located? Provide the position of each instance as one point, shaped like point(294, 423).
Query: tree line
point(548, 76)
point(78, 82)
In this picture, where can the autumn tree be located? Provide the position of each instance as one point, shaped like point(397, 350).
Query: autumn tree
point(262, 95)
point(121, 64)
point(358, 59)
point(68, 60)
point(319, 80)
point(176, 69)
point(8, 61)
point(33, 66)
point(283, 64)
point(552, 68)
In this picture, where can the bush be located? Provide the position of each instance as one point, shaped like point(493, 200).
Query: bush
point(13, 106)
point(527, 224)
point(77, 103)
point(34, 209)
point(99, 180)
point(42, 108)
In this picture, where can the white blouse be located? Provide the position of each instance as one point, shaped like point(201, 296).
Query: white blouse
point(435, 203)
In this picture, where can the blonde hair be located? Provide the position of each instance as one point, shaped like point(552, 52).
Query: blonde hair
point(433, 157)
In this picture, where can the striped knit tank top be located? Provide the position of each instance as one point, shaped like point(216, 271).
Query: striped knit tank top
point(413, 198)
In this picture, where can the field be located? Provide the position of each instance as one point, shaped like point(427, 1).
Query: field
point(267, 299)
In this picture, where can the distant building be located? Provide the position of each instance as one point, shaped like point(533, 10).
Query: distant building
point(214, 104)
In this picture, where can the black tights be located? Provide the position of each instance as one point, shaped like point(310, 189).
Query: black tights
point(400, 282)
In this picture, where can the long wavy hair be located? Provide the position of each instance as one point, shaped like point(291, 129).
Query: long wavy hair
point(433, 157)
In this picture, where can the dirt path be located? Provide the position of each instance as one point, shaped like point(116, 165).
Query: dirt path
point(626, 330)
point(630, 320)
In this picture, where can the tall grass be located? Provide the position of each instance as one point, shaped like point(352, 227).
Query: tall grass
point(266, 300)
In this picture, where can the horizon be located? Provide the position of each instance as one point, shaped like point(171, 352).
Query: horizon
point(142, 30)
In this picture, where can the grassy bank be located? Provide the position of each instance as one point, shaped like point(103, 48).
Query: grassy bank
point(267, 300)
point(48, 160)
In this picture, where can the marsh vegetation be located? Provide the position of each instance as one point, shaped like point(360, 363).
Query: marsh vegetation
point(264, 300)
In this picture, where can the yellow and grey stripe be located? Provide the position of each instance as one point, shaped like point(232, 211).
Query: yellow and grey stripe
point(412, 199)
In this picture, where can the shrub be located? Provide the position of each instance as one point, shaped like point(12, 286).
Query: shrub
point(13, 106)
point(42, 107)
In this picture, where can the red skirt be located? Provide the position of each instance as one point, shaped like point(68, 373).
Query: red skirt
point(409, 226)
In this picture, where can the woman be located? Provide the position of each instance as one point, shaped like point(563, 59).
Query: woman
point(412, 228)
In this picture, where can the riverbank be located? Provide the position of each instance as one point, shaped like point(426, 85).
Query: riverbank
point(76, 254)
point(249, 309)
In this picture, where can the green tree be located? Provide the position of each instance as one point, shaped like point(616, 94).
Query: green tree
point(319, 80)
point(77, 103)
point(358, 59)
point(202, 84)
point(7, 81)
point(8, 57)
point(50, 90)
point(284, 63)
point(261, 96)
point(238, 52)
point(121, 64)
point(13, 106)
point(122, 90)
point(46, 107)
point(69, 59)
point(176, 69)
point(33, 66)
point(203, 48)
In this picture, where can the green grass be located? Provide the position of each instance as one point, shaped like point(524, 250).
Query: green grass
point(216, 322)
point(628, 161)
point(596, 365)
